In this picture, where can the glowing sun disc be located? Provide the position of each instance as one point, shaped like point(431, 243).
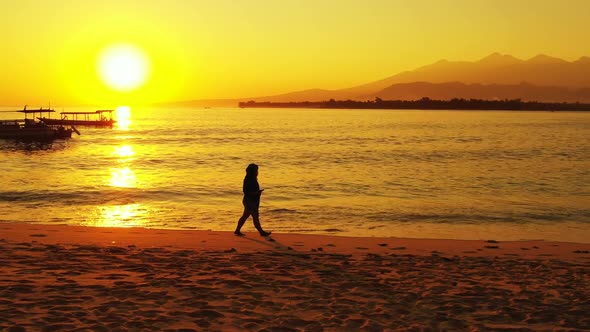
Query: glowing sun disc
point(123, 67)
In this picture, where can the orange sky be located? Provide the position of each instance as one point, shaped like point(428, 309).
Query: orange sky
point(237, 49)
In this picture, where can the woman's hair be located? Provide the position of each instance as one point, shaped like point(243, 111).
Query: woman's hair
point(251, 170)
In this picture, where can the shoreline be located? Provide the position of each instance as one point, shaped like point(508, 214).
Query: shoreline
point(56, 278)
point(568, 232)
point(297, 242)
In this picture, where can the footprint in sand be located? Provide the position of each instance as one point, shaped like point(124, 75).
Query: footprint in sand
point(115, 250)
point(38, 235)
point(207, 314)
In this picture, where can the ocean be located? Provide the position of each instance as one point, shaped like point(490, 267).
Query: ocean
point(386, 173)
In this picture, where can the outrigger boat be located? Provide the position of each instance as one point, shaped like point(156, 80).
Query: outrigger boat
point(29, 129)
point(91, 119)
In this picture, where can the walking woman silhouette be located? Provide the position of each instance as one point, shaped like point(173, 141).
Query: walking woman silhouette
point(251, 200)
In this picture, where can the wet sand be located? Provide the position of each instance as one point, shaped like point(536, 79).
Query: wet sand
point(66, 278)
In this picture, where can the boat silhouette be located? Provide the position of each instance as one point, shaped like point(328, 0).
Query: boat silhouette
point(31, 129)
point(100, 118)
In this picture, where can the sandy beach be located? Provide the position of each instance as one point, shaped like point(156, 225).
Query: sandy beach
point(68, 278)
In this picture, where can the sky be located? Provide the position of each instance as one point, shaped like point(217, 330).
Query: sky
point(200, 49)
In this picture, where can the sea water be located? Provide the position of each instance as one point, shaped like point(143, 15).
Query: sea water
point(433, 174)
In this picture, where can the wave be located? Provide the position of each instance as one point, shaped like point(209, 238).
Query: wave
point(477, 218)
point(83, 197)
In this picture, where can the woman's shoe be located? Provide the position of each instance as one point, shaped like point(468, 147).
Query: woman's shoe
point(239, 234)
point(265, 233)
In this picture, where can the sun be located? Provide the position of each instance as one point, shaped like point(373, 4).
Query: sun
point(123, 67)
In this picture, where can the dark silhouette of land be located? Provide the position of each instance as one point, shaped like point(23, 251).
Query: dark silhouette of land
point(426, 104)
point(450, 90)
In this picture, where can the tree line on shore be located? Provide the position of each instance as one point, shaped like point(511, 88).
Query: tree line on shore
point(425, 104)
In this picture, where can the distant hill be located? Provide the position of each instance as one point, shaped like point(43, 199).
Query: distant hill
point(495, 76)
point(496, 68)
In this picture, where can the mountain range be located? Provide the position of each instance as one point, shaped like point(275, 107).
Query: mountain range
point(497, 76)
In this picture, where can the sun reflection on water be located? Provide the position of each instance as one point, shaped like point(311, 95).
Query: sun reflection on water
point(123, 117)
point(128, 215)
point(124, 151)
point(123, 177)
